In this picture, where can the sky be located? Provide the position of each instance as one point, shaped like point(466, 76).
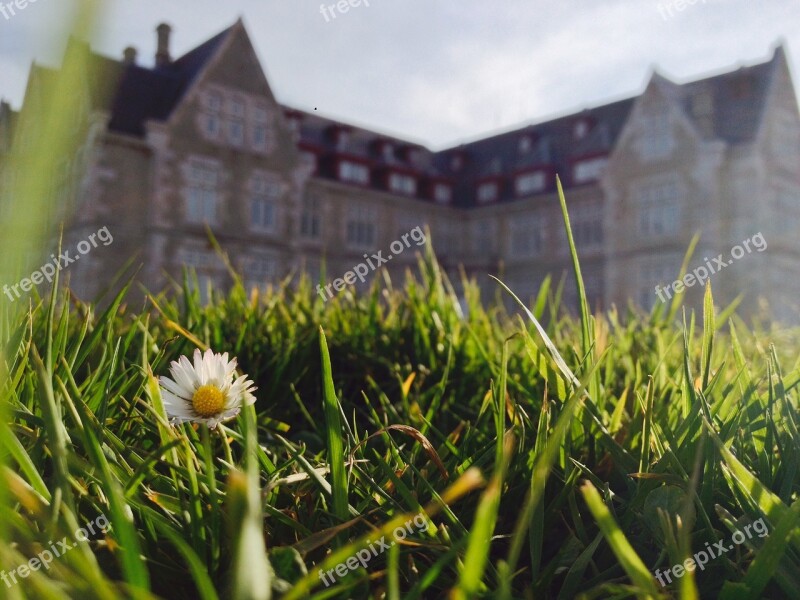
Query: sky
point(435, 72)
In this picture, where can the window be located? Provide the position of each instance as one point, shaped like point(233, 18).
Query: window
point(236, 108)
point(196, 258)
point(342, 139)
point(589, 170)
point(580, 129)
point(211, 125)
point(355, 172)
point(658, 208)
point(403, 184)
point(210, 118)
point(202, 194)
point(656, 140)
point(260, 115)
point(484, 235)
point(262, 213)
point(587, 226)
point(259, 271)
point(530, 183)
point(263, 133)
point(263, 202)
point(527, 236)
point(310, 219)
point(213, 101)
point(442, 193)
point(361, 227)
point(236, 132)
point(293, 122)
point(525, 144)
point(260, 136)
point(487, 192)
point(413, 156)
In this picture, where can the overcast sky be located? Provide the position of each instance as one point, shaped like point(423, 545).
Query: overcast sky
point(437, 72)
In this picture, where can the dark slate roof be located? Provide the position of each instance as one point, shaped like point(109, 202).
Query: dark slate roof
point(553, 146)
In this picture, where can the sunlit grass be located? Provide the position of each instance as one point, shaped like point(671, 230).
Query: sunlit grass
point(308, 481)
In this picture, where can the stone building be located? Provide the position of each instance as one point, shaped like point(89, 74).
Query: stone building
point(201, 139)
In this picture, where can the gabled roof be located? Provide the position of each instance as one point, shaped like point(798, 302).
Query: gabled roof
point(737, 100)
point(145, 93)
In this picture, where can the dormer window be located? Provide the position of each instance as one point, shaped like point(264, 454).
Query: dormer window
point(353, 172)
point(529, 183)
point(293, 120)
point(411, 155)
point(442, 193)
point(403, 184)
point(487, 192)
point(580, 129)
point(342, 139)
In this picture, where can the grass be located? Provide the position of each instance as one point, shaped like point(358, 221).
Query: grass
point(553, 456)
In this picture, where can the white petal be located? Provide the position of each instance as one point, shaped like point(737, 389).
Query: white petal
point(230, 369)
point(179, 420)
point(218, 369)
point(174, 405)
point(190, 372)
point(225, 416)
point(184, 378)
point(176, 389)
point(199, 369)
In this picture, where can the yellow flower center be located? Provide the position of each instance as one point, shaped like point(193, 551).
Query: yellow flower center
point(208, 400)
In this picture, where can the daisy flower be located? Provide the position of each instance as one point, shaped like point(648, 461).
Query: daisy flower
point(207, 391)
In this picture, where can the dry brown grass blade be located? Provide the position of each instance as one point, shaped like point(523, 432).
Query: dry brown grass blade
point(417, 435)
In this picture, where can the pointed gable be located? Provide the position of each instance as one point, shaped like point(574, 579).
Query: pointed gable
point(154, 93)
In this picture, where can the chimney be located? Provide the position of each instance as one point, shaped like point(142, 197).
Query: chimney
point(129, 56)
point(162, 54)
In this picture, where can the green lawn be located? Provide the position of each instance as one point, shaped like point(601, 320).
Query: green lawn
point(564, 460)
